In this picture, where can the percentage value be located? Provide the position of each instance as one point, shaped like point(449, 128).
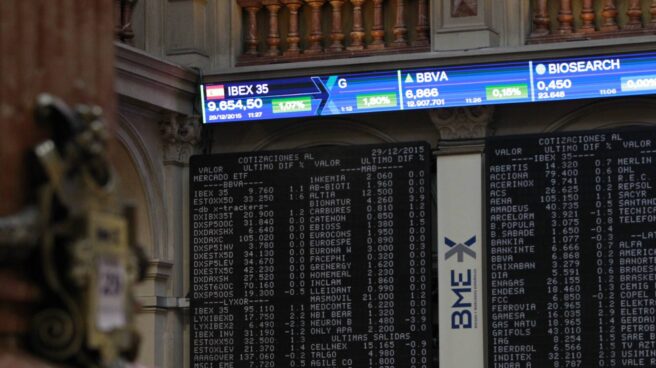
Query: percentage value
point(370, 101)
point(376, 101)
point(507, 92)
point(639, 83)
point(287, 105)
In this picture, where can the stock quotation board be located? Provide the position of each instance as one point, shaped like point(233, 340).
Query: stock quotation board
point(572, 250)
point(428, 88)
point(312, 258)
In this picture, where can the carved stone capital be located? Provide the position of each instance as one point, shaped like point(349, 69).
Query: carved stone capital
point(159, 270)
point(180, 134)
point(462, 123)
point(464, 8)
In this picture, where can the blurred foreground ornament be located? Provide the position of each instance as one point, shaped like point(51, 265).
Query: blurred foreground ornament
point(80, 243)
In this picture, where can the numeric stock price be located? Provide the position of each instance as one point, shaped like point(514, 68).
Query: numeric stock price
point(231, 105)
point(422, 93)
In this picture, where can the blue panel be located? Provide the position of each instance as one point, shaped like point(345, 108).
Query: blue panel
point(427, 88)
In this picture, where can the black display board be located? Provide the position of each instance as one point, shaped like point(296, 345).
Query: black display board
point(571, 253)
point(311, 258)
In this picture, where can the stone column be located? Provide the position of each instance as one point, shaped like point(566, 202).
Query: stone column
point(336, 34)
point(565, 17)
point(187, 38)
point(357, 34)
point(123, 11)
point(316, 35)
point(587, 17)
point(541, 20)
point(423, 38)
point(609, 14)
point(152, 318)
point(180, 138)
point(400, 30)
point(462, 128)
point(377, 30)
point(466, 24)
point(460, 194)
point(273, 38)
point(251, 7)
point(635, 15)
point(293, 37)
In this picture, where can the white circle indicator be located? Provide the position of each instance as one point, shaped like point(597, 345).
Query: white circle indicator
point(540, 69)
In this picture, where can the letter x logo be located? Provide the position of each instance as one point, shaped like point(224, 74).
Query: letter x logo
point(460, 249)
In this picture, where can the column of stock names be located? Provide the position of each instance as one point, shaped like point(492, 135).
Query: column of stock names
point(572, 250)
point(312, 258)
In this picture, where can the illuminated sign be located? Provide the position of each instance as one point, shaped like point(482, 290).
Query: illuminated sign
point(427, 88)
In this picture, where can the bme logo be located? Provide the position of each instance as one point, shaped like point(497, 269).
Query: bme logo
point(462, 284)
point(460, 249)
point(215, 92)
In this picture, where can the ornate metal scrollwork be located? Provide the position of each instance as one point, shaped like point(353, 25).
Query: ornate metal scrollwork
point(56, 334)
point(19, 235)
point(81, 243)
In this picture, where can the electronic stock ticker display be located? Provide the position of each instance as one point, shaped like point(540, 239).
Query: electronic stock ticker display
point(571, 262)
point(426, 88)
point(312, 258)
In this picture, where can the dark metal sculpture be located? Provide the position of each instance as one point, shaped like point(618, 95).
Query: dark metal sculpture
point(79, 243)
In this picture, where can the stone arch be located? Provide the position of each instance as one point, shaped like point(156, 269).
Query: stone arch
point(608, 114)
point(137, 169)
point(337, 132)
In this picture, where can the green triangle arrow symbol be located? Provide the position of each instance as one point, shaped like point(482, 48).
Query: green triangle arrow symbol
point(409, 79)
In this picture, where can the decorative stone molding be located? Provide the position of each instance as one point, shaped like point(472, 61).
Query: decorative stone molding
point(607, 114)
point(190, 47)
point(317, 30)
point(467, 24)
point(462, 123)
point(464, 8)
point(155, 283)
point(158, 270)
point(180, 134)
point(557, 22)
point(324, 133)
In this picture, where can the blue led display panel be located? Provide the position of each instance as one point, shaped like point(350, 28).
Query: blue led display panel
point(427, 88)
